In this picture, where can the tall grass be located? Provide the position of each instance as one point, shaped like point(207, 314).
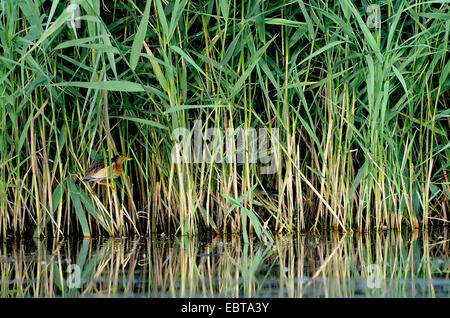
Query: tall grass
point(362, 114)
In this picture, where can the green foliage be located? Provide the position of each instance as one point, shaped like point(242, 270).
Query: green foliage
point(362, 113)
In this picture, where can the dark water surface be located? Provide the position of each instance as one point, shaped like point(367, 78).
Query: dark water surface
point(377, 265)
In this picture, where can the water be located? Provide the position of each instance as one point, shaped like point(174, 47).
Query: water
point(378, 265)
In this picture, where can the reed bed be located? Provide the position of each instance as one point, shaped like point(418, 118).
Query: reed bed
point(411, 265)
point(358, 112)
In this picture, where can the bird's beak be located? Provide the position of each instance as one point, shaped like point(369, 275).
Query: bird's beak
point(126, 158)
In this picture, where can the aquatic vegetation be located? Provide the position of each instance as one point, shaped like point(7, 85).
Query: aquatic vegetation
point(352, 99)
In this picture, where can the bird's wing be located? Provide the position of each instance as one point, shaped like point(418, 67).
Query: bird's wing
point(96, 168)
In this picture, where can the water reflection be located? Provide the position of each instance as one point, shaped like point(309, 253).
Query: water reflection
point(378, 265)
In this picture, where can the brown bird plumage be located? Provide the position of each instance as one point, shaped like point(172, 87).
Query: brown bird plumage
point(98, 170)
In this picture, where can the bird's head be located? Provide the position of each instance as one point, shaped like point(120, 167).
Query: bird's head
point(119, 159)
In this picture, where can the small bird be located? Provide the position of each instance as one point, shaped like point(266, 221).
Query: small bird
point(98, 171)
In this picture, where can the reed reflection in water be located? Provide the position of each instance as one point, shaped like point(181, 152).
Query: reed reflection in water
point(378, 265)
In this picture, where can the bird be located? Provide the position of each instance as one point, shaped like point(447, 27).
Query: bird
point(98, 171)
